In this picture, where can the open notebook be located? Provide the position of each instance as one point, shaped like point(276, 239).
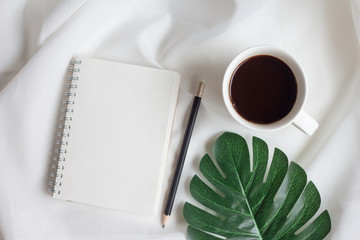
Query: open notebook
point(115, 132)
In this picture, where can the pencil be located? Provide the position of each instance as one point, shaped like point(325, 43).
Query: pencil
point(183, 151)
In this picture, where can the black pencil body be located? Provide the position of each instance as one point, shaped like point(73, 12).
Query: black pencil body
point(182, 156)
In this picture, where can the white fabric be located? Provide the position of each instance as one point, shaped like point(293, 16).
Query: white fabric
point(197, 39)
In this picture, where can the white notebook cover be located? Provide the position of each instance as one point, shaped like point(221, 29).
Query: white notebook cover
point(119, 125)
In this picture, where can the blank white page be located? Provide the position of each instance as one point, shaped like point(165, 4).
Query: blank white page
point(119, 135)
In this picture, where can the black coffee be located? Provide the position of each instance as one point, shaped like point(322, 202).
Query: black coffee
point(263, 89)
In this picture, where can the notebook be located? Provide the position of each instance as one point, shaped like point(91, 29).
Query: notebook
point(114, 136)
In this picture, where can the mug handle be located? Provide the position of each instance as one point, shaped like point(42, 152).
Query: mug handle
point(305, 123)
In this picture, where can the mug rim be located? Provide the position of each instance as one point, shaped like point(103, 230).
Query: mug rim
point(288, 60)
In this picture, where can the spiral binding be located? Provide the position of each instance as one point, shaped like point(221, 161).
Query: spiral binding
point(63, 135)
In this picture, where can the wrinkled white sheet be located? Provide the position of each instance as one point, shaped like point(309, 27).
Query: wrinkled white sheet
point(197, 39)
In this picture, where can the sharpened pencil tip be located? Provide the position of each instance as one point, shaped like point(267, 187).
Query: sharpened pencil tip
point(164, 220)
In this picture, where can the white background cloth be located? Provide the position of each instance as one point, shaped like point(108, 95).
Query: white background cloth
point(197, 39)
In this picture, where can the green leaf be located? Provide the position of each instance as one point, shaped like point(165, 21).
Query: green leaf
point(246, 203)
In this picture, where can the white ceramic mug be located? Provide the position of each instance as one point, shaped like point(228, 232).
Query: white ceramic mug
point(296, 115)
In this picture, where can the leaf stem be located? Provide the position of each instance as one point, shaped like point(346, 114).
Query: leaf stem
point(251, 212)
point(249, 207)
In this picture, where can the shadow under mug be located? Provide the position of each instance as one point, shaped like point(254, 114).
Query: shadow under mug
point(296, 116)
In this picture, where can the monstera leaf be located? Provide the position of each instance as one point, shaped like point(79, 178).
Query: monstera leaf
point(248, 202)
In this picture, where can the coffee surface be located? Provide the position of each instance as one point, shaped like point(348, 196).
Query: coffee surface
point(263, 89)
